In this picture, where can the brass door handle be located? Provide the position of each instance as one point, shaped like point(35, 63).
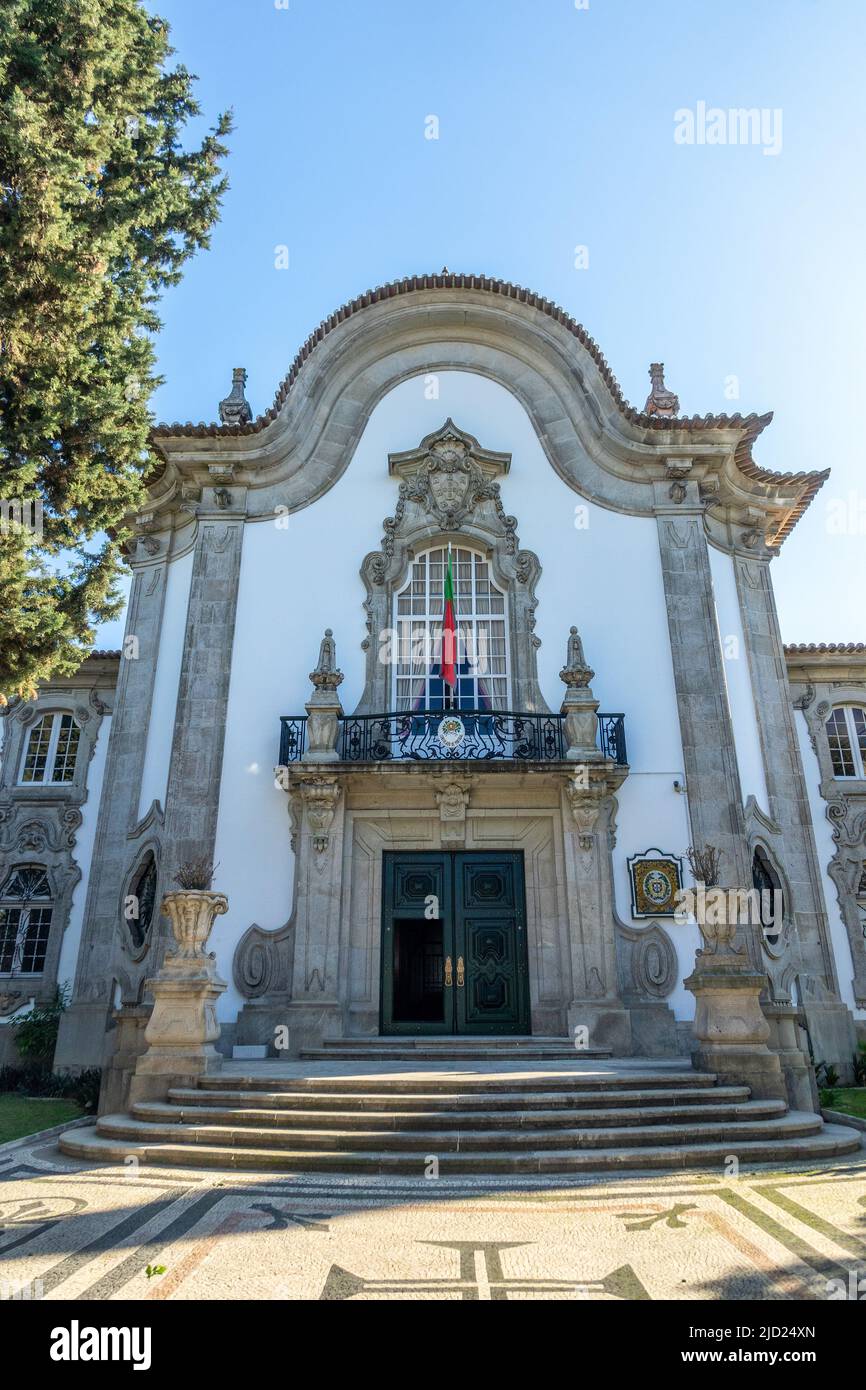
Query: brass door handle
point(461, 978)
point(449, 978)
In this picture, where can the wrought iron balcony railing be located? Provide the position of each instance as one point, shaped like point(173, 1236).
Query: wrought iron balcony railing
point(433, 735)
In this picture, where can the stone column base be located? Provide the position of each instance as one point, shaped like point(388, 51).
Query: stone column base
point(752, 1066)
point(307, 1024)
point(797, 1070)
point(832, 1034)
point(130, 1044)
point(81, 1039)
point(609, 1024)
point(730, 1029)
point(182, 1029)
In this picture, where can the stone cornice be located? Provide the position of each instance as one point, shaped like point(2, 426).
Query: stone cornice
point(835, 662)
point(605, 449)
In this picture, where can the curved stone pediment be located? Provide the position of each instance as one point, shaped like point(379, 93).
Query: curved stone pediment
point(604, 449)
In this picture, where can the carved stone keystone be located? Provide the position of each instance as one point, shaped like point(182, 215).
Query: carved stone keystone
point(183, 1027)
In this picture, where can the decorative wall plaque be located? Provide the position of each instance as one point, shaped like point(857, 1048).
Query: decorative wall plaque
point(656, 879)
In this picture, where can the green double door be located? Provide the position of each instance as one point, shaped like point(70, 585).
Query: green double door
point(454, 957)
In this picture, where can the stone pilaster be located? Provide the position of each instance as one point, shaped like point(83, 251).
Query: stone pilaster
point(82, 1037)
point(830, 1024)
point(192, 799)
point(319, 811)
point(715, 799)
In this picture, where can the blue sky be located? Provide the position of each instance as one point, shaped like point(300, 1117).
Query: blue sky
point(556, 129)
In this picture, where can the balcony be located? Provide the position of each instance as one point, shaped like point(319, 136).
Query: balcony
point(440, 735)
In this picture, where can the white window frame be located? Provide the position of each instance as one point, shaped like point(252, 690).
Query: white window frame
point(429, 619)
point(47, 778)
point(859, 773)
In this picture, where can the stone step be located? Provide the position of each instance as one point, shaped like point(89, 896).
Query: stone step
point(434, 1120)
point(830, 1142)
point(464, 1048)
point(444, 1041)
point(476, 1100)
point(467, 1053)
point(461, 1083)
point(730, 1132)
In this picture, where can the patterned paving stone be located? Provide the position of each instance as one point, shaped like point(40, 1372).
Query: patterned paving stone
point(72, 1233)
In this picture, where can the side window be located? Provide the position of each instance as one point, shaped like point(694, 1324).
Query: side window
point(51, 750)
point(140, 900)
point(25, 920)
point(769, 885)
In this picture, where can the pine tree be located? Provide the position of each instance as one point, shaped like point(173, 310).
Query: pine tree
point(100, 206)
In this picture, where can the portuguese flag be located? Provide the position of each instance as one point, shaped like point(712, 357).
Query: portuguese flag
point(449, 631)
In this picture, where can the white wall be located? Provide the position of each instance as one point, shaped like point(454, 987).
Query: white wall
point(160, 729)
point(295, 582)
point(826, 850)
point(741, 699)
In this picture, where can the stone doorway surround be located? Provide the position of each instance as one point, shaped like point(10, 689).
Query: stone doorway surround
point(319, 975)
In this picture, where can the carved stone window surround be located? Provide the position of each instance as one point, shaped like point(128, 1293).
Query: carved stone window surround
point(39, 821)
point(464, 509)
point(845, 799)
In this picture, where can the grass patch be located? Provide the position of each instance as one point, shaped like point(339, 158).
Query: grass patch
point(22, 1115)
point(850, 1100)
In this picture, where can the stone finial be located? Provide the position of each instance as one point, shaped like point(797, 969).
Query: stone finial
point(235, 409)
point(575, 672)
point(326, 676)
point(660, 400)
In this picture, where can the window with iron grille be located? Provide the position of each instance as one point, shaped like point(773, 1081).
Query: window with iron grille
point(51, 750)
point(482, 634)
point(846, 735)
point(25, 920)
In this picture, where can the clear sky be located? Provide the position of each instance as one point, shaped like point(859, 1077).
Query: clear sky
point(556, 130)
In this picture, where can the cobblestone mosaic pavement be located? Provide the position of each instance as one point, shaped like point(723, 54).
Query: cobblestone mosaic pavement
point(69, 1232)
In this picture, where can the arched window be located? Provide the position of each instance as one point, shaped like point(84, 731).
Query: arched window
point(25, 920)
point(769, 885)
point(139, 904)
point(482, 634)
point(846, 734)
point(51, 749)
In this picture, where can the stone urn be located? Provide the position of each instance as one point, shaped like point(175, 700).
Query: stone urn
point(183, 1026)
point(191, 912)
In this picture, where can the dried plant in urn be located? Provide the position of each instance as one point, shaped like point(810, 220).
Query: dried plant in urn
point(704, 864)
point(196, 875)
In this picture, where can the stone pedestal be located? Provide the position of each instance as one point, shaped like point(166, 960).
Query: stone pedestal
point(730, 1029)
point(183, 1026)
point(130, 1043)
point(324, 709)
point(784, 1040)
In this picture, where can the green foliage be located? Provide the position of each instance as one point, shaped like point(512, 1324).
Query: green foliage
point(37, 1081)
point(860, 1064)
point(100, 207)
point(36, 1031)
point(826, 1074)
point(829, 1097)
point(151, 1270)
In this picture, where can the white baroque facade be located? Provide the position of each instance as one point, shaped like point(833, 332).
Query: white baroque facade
point(623, 689)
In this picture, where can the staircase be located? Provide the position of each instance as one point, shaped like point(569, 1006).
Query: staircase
point(496, 1118)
